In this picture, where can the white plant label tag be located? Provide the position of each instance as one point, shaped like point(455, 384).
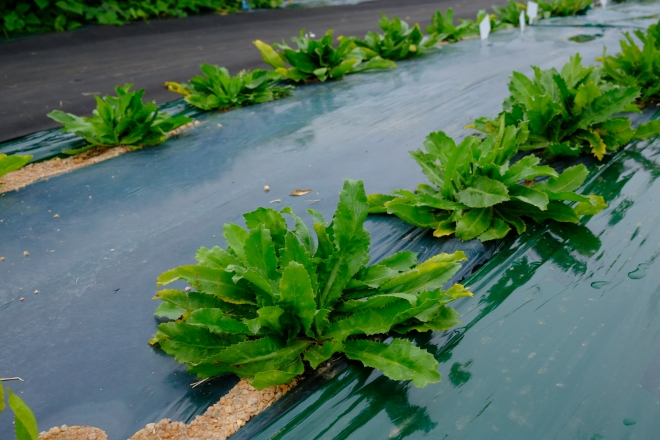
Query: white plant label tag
point(484, 27)
point(522, 21)
point(532, 11)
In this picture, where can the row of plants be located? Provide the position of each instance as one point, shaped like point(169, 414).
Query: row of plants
point(479, 190)
point(126, 120)
point(278, 301)
point(29, 16)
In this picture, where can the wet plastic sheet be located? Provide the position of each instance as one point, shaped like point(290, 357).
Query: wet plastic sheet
point(633, 14)
point(81, 342)
point(560, 340)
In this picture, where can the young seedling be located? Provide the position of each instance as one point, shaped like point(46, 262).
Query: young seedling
point(319, 60)
point(477, 192)
point(398, 41)
point(121, 120)
point(216, 89)
point(277, 298)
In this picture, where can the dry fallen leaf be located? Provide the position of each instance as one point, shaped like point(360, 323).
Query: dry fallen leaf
point(300, 192)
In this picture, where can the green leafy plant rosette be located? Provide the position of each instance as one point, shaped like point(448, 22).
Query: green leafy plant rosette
point(442, 27)
point(477, 192)
point(568, 112)
point(275, 298)
point(217, 89)
point(635, 66)
point(319, 60)
point(510, 14)
point(398, 41)
point(25, 424)
point(12, 163)
point(121, 120)
point(564, 8)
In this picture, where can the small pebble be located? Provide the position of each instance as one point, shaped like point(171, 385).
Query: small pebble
point(266, 188)
point(22, 299)
point(56, 216)
point(2, 258)
point(187, 289)
point(219, 125)
point(90, 197)
point(197, 122)
point(26, 254)
point(112, 250)
point(36, 291)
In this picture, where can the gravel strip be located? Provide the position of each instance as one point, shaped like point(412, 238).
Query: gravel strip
point(43, 170)
point(219, 422)
point(73, 433)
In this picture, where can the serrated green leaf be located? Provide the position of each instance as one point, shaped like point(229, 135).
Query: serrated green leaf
point(529, 195)
point(483, 192)
point(400, 261)
point(474, 223)
point(351, 240)
point(570, 180)
point(282, 376)
point(430, 275)
point(169, 310)
point(191, 343)
point(25, 424)
point(498, 230)
point(12, 163)
point(259, 350)
point(400, 360)
point(213, 281)
point(269, 316)
point(317, 354)
point(297, 295)
point(217, 322)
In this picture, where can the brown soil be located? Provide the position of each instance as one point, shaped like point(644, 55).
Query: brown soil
point(73, 433)
point(219, 422)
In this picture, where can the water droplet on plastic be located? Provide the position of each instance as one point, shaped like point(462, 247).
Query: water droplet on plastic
point(599, 284)
point(638, 273)
point(629, 422)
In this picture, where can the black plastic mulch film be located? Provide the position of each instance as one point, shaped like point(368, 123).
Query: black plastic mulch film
point(559, 341)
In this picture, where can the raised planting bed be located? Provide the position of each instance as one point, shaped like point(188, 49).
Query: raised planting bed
point(98, 237)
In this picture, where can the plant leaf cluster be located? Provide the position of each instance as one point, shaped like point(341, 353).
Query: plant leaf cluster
point(25, 424)
point(121, 120)
point(20, 16)
point(442, 27)
point(314, 60)
point(510, 14)
point(12, 163)
point(277, 297)
point(398, 41)
point(217, 89)
point(478, 191)
point(564, 8)
point(568, 112)
point(635, 66)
